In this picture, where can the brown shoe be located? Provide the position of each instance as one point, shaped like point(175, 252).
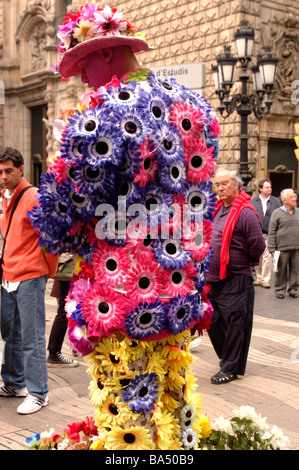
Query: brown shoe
point(257, 283)
point(266, 285)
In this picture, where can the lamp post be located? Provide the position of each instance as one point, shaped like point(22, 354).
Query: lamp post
point(259, 101)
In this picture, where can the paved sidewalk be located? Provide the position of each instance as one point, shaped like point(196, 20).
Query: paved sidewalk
point(271, 383)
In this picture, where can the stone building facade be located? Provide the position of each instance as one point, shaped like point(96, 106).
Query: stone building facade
point(182, 32)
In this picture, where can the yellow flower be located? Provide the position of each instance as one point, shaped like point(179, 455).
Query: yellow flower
point(177, 358)
point(206, 428)
point(113, 412)
point(170, 403)
point(136, 349)
point(191, 385)
point(173, 380)
point(167, 429)
point(78, 261)
point(99, 391)
point(82, 30)
point(179, 338)
point(97, 445)
point(156, 365)
point(133, 438)
point(196, 400)
point(111, 356)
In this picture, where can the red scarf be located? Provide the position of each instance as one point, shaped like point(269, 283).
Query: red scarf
point(241, 201)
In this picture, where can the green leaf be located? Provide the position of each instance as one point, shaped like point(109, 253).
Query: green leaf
point(139, 75)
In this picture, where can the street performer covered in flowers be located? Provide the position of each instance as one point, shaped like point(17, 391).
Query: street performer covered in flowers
point(129, 192)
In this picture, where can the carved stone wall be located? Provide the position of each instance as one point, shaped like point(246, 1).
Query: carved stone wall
point(181, 32)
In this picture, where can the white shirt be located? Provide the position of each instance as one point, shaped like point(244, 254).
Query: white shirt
point(264, 204)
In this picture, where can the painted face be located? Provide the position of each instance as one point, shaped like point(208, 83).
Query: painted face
point(100, 66)
point(10, 176)
point(96, 69)
point(226, 189)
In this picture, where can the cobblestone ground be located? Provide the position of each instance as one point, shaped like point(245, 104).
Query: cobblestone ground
point(271, 383)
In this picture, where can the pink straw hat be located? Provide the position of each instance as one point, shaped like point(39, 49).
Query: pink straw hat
point(90, 29)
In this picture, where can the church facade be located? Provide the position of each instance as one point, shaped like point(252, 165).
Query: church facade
point(186, 36)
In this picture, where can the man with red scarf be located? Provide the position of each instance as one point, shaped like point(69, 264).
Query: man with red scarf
point(237, 244)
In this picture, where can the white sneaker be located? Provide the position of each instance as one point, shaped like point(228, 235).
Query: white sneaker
point(32, 404)
point(9, 393)
point(195, 342)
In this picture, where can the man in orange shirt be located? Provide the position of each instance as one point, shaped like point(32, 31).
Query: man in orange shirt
point(25, 270)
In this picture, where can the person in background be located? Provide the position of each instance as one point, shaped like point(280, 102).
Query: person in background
point(283, 237)
point(61, 287)
point(237, 244)
point(264, 203)
point(26, 269)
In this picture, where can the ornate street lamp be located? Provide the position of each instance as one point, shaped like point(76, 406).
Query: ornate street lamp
point(259, 101)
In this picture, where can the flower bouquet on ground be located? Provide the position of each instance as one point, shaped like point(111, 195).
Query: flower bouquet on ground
point(247, 430)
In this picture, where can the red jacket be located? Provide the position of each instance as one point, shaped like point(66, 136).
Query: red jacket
point(23, 258)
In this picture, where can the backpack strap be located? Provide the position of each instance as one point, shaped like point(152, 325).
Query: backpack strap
point(12, 212)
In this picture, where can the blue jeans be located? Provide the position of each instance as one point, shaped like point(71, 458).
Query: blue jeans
point(23, 321)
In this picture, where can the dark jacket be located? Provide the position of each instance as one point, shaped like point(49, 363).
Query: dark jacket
point(272, 204)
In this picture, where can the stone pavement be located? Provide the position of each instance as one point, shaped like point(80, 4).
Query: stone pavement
point(271, 383)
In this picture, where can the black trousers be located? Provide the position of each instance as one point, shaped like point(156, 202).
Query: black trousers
point(60, 324)
point(231, 328)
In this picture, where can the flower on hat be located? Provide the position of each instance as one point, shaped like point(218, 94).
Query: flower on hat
point(82, 30)
point(109, 22)
point(89, 22)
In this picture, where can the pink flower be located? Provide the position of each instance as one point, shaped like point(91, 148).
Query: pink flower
point(149, 163)
point(197, 238)
point(138, 242)
point(114, 83)
point(77, 289)
point(200, 162)
point(103, 310)
point(110, 263)
point(60, 169)
point(214, 128)
point(180, 281)
point(78, 340)
point(188, 119)
point(87, 12)
point(109, 22)
point(145, 281)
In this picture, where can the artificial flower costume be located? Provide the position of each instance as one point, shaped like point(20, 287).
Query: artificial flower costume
point(130, 193)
